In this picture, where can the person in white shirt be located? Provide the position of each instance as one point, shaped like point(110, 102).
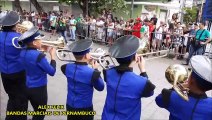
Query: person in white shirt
point(178, 39)
point(110, 31)
point(92, 26)
point(72, 27)
point(86, 22)
point(118, 30)
point(33, 17)
point(100, 25)
point(158, 37)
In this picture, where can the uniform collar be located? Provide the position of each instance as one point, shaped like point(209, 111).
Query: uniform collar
point(31, 48)
point(199, 96)
point(81, 63)
point(8, 30)
point(124, 68)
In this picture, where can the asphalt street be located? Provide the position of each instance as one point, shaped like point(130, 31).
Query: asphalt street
point(57, 90)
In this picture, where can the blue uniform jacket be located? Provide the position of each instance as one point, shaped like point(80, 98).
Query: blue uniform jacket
point(124, 92)
point(81, 80)
point(199, 107)
point(37, 67)
point(9, 55)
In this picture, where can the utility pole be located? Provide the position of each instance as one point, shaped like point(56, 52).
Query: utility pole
point(201, 11)
point(87, 7)
point(30, 6)
point(132, 8)
point(182, 5)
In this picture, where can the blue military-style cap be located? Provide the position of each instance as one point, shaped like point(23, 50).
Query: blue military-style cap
point(30, 35)
point(202, 71)
point(124, 48)
point(81, 47)
point(11, 18)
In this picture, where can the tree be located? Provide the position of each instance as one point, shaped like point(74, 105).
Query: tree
point(190, 14)
point(96, 5)
point(18, 6)
point(37, 6)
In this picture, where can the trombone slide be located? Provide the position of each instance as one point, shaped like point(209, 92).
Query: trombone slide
point(57, 44)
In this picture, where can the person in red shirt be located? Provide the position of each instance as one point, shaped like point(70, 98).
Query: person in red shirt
point(136, 28)
point(151, 29)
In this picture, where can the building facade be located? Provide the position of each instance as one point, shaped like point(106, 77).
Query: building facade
point(142, 8)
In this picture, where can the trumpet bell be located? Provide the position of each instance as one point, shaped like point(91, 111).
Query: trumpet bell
point(176, 75)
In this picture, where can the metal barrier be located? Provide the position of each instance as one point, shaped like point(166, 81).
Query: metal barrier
point(101, 34)
point(176, 40)
point(208, 51)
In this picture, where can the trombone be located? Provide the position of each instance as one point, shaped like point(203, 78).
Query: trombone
point(59, 43)
point(144, 48)
point(98, 55)
point(25, 26)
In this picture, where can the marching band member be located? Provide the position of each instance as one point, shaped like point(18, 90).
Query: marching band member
point(12, 72)
point(100, 28)
point(199, 105)
point(124, 88)
point(37, 67)
point(81, 80)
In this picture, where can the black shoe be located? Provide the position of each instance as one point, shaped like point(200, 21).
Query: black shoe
point(71, 40)
point(184, 63)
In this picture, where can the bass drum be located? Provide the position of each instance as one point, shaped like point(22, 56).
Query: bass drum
point(144, 46)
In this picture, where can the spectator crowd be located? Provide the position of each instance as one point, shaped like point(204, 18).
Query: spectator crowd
point(106, 28)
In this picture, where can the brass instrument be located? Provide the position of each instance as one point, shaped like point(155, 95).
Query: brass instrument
point(176, 75)
point(144, 46)
point(21, 28)
point(59, 43)
point(24, 26)
point(98, 55)
point(144, 49)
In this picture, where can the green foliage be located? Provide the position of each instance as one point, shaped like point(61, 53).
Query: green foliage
point(190, 15)
point(96, 6)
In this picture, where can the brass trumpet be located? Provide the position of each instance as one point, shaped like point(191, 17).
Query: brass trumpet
point(176, 75)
